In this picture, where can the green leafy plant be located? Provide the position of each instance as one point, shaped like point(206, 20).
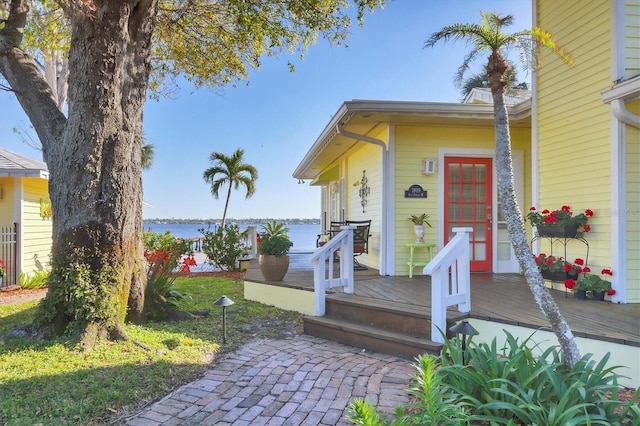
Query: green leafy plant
point(515, 386)
point(1, 269)
point(420, 219)
point(225, 246)
point(431, 403)
point(34, 279)
point(164, 256)
point(275, 239)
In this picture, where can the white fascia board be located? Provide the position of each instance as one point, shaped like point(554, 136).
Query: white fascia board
point(627, 90)
point(435, 109)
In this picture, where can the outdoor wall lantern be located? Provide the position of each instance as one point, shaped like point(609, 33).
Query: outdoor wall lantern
point(429, 166)
point(224, 301)
point(466, 329)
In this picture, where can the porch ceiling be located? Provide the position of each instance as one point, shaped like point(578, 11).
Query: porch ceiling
point(364, 117)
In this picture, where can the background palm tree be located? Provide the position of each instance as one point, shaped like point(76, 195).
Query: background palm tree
point(148, 152)
point(489, 37)
point(233, 171)
point(479, 79)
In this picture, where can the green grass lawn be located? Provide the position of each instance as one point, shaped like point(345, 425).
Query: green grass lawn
point(52, 383)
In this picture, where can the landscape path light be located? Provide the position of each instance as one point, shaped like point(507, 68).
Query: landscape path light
point(465, 329)
point(224, 301)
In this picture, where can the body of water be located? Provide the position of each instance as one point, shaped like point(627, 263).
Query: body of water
point(303, 236)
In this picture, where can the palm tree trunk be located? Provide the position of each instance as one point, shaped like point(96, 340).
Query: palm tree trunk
point(515, 224)
point(226, 205)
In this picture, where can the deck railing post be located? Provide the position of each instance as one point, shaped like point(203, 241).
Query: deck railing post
point(450, 281)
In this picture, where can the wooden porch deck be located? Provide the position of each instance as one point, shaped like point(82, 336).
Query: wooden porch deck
point(501, 298)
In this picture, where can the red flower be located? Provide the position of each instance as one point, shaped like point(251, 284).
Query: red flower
point(532, 208)
point(586, 228)
point(566, 208)
point(610, 292)
point(586, 269)
point(567, 267)
point(606, 271)
point(545, 211)
point(588, 212)
point(579, 261)
point(570, 284)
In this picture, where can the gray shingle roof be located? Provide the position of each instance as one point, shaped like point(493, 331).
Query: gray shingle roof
point(16, 165)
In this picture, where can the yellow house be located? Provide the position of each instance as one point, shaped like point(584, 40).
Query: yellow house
point(576, 143)
point(585, 128)
point(25, 215)
point(385, 161)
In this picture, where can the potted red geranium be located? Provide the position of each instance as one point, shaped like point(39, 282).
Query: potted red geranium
point(556, 268)
point(560, 223)
point(591, 286)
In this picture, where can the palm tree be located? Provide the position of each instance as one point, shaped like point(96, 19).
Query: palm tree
point(481, 80)
point(148, 151)
point(233, 171)
point(488, 37)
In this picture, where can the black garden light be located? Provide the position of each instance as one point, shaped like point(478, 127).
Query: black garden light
point(224, 301)
point(466, 329)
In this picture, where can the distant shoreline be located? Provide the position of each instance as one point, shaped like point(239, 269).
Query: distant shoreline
point(253, 221)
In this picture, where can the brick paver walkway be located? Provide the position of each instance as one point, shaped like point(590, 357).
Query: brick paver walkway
point(302, 380)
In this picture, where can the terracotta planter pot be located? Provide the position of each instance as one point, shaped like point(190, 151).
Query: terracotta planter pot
point(274, 268)
point(566, 231)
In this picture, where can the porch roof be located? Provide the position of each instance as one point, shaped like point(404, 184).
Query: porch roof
point(16, 165)
point(364, 117)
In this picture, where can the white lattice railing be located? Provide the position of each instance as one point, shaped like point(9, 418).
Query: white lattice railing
point(325, 274)
point(450, 281)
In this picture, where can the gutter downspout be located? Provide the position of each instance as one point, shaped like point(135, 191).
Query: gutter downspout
point(622, 116)
point(621, 112)
point(385, 167)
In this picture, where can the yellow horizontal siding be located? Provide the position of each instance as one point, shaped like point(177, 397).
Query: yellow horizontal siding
point(368, 158)
point(7, 202)
point(574, 123)
point(632, 38)
point(632, 213)
point(36, 230)
point(413, 145)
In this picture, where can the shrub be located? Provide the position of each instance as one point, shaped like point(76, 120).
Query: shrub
point(225, 247)
point(163, 254)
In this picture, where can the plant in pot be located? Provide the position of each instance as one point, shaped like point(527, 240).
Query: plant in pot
point(274, 251)
point(591, 286)
point(559, 223)
point(556, 268)
point(419, 220)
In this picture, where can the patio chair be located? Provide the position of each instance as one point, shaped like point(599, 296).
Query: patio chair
point(360, 240)
point(334, 229)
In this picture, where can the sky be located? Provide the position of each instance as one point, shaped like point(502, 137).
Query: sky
point(277, 115)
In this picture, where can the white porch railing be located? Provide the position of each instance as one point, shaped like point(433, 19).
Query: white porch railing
point(450, 281)
point(324, 267)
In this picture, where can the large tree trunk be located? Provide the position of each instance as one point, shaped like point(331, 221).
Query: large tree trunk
point(94, 162)
point(511, 212)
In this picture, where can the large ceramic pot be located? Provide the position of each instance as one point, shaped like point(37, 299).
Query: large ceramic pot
point(566, 231)
point(274, 268)
point(419, 231)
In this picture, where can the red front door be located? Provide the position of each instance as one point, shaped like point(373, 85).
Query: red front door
point(467, 203)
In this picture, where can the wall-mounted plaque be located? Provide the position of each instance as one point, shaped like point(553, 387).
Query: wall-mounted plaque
point(415, 191)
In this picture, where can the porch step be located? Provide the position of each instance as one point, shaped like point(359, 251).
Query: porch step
point(389, 327)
